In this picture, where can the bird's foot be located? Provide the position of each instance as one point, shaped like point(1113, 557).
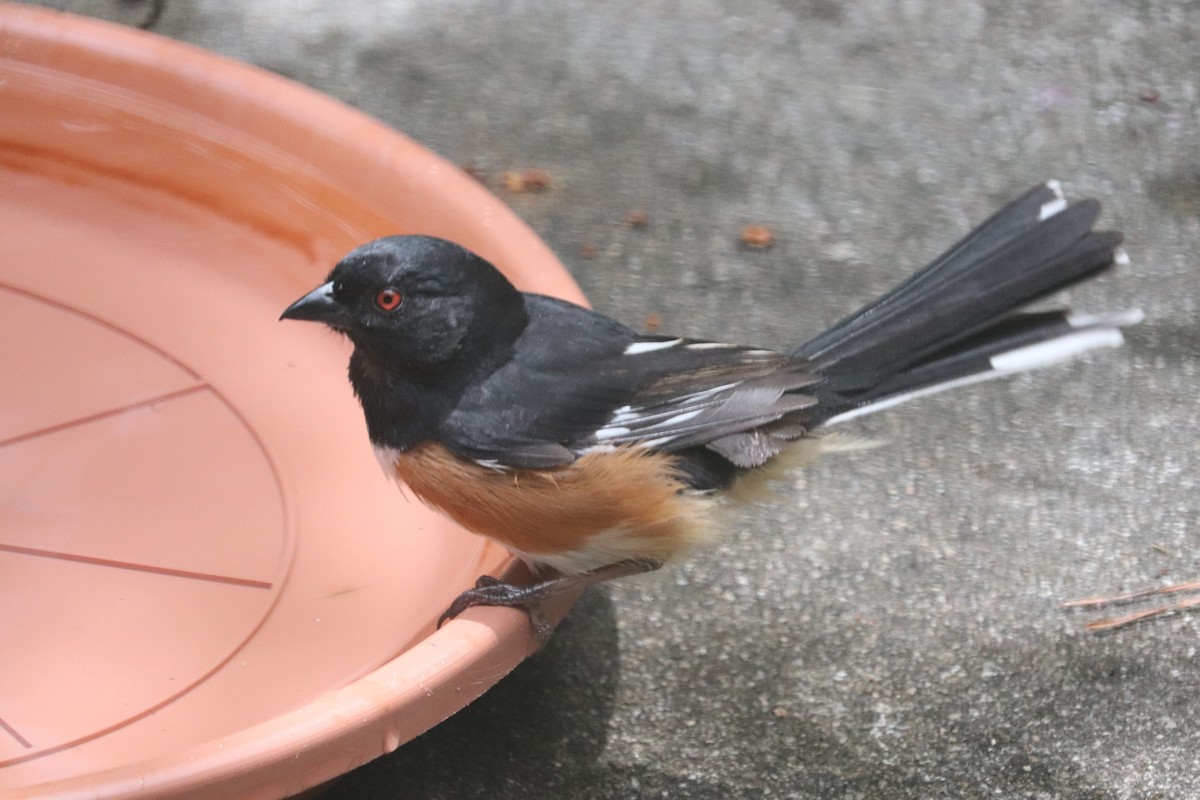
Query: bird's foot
point(489, 591)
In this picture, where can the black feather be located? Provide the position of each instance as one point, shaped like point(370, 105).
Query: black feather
point(1012, 260)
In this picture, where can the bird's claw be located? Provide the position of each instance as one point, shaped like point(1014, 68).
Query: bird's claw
point(489, 591)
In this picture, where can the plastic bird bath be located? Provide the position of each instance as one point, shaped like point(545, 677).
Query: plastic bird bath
point(206, 583)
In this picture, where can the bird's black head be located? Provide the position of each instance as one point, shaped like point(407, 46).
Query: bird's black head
point(415, 303)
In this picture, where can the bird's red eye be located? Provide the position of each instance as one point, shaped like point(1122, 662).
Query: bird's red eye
point(388, 299)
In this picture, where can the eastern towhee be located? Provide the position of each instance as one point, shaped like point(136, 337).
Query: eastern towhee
point(590, 449)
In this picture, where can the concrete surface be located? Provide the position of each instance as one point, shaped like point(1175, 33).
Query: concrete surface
point(891, 628)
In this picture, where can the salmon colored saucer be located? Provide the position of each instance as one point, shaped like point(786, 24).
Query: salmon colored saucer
point(207, 585)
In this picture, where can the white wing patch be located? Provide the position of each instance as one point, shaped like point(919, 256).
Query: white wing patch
point(696, 391)
point(670, 420)
point(612, 432)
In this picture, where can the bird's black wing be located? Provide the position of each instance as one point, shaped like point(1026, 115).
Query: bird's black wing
point(579, 382)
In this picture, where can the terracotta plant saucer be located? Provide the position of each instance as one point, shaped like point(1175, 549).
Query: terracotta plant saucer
point(206, 583)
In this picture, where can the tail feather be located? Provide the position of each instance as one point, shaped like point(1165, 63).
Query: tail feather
point(1019, 343)
point(1002, 228)
point(1007, 225)
point(957, 321)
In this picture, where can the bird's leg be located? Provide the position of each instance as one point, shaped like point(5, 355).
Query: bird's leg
point(491, 591)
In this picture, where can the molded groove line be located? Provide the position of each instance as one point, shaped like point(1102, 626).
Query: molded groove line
point(130, 565)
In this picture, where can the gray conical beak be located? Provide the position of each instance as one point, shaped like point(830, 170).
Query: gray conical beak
point(317, 306)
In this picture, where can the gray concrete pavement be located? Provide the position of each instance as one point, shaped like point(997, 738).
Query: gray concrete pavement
point(890, 628)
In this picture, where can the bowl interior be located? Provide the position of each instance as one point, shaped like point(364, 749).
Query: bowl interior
point(197, 545)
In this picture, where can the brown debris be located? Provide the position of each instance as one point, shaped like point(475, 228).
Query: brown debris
point(530, 179)
point(758, 237)
point(1120, 621)
point(636, 218)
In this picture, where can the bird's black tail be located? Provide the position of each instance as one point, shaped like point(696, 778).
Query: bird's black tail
point(957, 321)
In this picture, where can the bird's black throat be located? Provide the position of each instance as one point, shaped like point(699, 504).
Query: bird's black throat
point(404, 401)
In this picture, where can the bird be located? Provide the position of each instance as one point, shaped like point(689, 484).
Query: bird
point(594, 452)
